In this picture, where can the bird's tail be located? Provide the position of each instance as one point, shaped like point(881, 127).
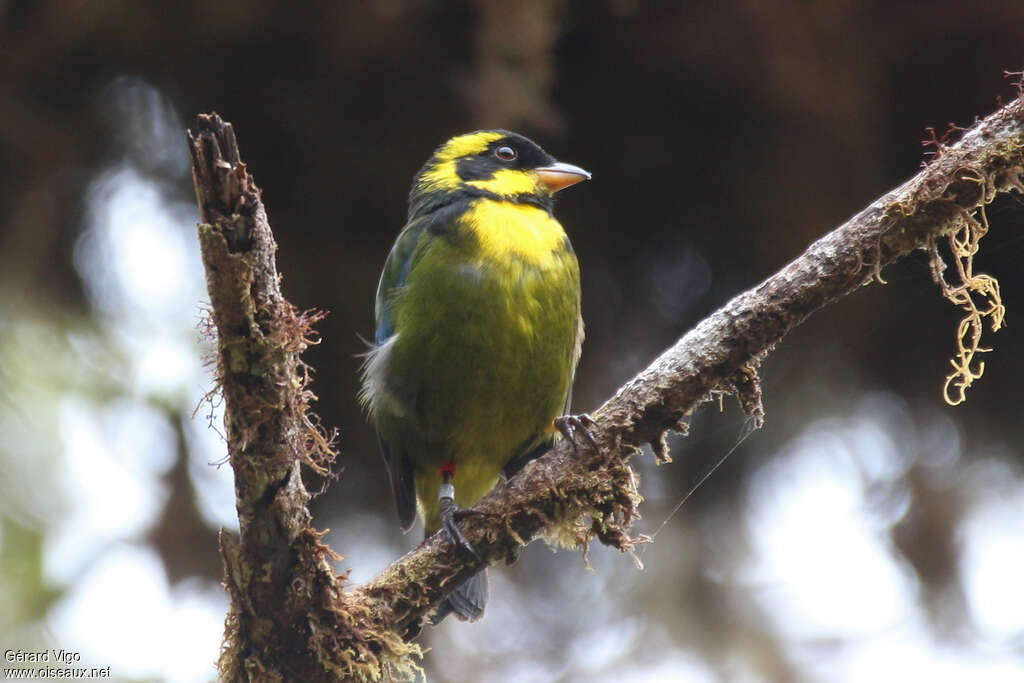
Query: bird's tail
point(467, 601)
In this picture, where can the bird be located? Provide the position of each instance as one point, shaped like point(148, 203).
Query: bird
point(478, 333)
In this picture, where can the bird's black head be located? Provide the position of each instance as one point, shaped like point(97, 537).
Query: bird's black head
point(490, 163)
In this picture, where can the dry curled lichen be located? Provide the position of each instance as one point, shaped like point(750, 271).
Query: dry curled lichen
point(977, 295)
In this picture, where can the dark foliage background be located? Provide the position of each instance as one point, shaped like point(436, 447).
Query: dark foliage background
point(723, 138)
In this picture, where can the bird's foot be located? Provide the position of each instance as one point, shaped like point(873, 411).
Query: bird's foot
point(568, 425)
point(450, 515)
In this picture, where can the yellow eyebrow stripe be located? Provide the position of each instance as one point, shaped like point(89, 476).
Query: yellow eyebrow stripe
point(442, 175)
point(467, 145)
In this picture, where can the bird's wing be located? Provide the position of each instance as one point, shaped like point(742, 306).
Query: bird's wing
point(402, 483)
point(396, 271)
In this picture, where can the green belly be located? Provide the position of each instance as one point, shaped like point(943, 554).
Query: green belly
point(481, 366)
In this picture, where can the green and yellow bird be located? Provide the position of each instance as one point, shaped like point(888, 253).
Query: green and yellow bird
point(478, 332)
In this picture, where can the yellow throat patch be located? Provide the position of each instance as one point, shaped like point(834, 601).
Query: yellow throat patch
point(506, 229)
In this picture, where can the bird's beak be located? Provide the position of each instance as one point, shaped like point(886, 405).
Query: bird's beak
point(559, 176)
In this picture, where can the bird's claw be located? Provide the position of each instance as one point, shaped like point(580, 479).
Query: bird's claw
point(450, 515)
point(568, 425)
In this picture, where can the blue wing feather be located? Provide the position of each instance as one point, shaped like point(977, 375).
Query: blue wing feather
point(396, 272)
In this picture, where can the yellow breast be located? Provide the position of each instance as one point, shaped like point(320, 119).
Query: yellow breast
point(509, 232)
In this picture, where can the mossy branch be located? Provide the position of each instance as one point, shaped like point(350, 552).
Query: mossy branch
point(279, 576)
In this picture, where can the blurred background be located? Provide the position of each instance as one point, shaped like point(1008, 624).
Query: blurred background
point(868, 532)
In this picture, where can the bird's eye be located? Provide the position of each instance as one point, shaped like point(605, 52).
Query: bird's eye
point(505, 153)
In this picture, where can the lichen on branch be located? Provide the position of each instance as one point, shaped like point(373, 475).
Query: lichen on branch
point(284, 621)
point(977, 294)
